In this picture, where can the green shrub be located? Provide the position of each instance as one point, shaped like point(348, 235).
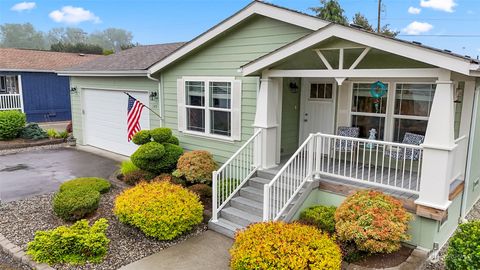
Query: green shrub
point(464, 247)
point(142, 137)
point(375, 222)
point(127, 167)
point(63, 134)
point(99, 184)
point(52, 133)
point(161, 135)
point(136, 177)
point(76, 244)
point(203, 191)
point(33, 132)
point(320, 216)
point(196, 167)
point(11, 123)
point(279, 245)
point(173, 140)
point(159, 209)
point(75, 203)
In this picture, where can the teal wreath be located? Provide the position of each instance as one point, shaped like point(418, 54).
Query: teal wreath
point(376, 94)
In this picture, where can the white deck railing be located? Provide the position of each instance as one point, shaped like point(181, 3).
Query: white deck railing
point(234, 173)
point(10, 102)
point(389, 165)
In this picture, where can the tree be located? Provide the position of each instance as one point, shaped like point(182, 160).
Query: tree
point(330, 11)
point(76, 48)
point(360, 20)
point(111, 38)
point(70, 35)
point(23, 36)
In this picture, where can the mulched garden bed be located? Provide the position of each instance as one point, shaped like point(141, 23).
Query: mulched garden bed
point(381, 261)
point(23, 143)
point(19, 221)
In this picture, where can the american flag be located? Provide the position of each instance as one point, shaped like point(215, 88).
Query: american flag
point(135, 108)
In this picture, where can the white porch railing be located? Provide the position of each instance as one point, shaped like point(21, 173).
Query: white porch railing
point(10, 102)
point(459, 158)
point(234, 173)
point(390, 165)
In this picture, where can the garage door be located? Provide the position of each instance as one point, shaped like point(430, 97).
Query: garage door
point(105, 119)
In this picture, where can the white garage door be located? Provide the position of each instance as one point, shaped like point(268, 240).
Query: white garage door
point(105, 119)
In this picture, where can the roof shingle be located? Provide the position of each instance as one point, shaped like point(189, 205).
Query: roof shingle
point(136, 58)
point(24, 59)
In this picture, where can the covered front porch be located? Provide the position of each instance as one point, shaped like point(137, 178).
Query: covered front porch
point(10, 92)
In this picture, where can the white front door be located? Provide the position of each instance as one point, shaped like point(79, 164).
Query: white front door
point(318, 107)
point(105, 119)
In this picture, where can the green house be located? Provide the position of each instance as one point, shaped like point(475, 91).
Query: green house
point(300, 111)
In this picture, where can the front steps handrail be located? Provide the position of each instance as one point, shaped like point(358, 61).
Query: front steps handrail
point(234, 173)
point(287, 183)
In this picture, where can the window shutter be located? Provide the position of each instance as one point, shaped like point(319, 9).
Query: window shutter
point(237, 110)
point(181, 105)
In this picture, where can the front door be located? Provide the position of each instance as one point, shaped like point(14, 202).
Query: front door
point(318, 102)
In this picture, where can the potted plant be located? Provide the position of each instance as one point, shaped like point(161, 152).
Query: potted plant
point(71, 141)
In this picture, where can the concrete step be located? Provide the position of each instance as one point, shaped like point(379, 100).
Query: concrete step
point(252, 193)
point(247, 205)
point(224, 227)
point(239, 217)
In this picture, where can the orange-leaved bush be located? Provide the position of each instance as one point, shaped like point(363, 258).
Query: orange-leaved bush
point(280, 245)
point(159, 209)
point(196, 166)
point(375, 222)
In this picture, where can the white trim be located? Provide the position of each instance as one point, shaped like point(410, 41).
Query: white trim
point(357, 73)
point(256, 7)
point(324, 60)
point(26, 70)
point(20, 91)
point(103, 73)
point(390, 45)
point(360, 58)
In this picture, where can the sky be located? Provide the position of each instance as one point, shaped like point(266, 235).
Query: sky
point(445, 24)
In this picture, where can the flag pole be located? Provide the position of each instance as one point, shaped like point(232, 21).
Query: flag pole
point(144, 105)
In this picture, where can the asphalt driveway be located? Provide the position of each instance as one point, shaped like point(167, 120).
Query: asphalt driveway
point(37, 172)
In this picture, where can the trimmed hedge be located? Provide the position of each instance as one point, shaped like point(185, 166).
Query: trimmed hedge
point(79, 197)
point(75, 203)
point(464, 247)
point(99, 184)
point(375, 222)
point(11, 124)
point(161, 135)
point(142, 137)
point(320, 216)
point(76, 244)
point(159, 209)
point(196, 166)
point(279, 245)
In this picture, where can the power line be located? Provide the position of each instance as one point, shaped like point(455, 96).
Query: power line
point(440, 35)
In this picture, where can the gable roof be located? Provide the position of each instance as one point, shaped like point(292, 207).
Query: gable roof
point(12, 59)
point(256, 7)
point(138, 58)
point(443, 59)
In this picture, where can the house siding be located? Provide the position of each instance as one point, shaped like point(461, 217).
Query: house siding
point(473, 186)
point(223, 57)
point(109, 83)
point(46, 96)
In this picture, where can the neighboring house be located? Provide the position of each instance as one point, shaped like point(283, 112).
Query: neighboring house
point(268, 89)
point(28, 82)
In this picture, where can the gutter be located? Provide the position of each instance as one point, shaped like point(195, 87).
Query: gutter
point(103, 73)
point(159, 95)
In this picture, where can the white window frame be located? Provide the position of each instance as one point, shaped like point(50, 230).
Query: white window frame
point(208, 108)
point(384, 115)
point(390, 115)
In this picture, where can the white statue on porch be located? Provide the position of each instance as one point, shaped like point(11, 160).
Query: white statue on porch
point(372, 136)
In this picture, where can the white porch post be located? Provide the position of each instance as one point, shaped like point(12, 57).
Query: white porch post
point(437, 148)
point(266, 119)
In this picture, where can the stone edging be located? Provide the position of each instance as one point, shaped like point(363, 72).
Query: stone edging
point(19, 255)
point(416, 260)
point(32, 144)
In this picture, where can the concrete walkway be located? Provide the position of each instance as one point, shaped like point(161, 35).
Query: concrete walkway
point(206, 251)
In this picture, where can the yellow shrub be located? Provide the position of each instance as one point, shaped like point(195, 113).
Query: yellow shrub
point(279, 245)
point(159, 209)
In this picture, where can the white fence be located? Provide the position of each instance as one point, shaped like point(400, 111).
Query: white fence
point(234, 173)
point(390, 165)
point(11, 102)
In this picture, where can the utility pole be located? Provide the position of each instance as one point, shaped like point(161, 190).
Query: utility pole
point(379, 15)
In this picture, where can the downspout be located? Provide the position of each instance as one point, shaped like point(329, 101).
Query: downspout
point(463, 210)
point(160, 97)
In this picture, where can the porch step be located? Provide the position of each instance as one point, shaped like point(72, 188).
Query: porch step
point(224, 227)
point(252, 193)
point(258, 182)
point(239, 217)
point(247, 205)
point(266, 174)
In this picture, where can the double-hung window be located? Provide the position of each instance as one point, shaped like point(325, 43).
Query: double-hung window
point(368, 113)
point(413, 102)
point(209, 107)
